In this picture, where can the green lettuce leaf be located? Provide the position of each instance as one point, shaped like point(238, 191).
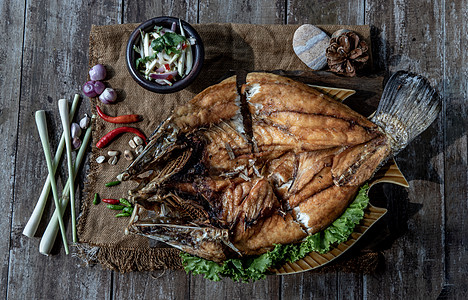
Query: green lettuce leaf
point(255, 268)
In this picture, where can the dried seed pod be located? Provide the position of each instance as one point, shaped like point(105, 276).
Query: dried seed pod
point(100, 159)
point(139, 149)
point(113, 160)
point(128, 155)
point(132, 144)
point(113, 153)
point(138, 140)
point(346, 53)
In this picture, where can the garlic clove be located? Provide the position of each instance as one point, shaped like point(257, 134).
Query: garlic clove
point(113, 160)
point(84, 123)
point(100, 159)
point(119, 177)
point(75, 130)
point(76, 143)
point(138, 140)
point(113, 153)
point(128, 155)
point(139, 149)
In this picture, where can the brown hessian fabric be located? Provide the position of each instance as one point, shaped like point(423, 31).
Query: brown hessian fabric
point(228, 47)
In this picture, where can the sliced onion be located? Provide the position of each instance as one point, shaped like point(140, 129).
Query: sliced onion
point(161, 69)
point(173, 26)
point(163, 75)
point(161, 82)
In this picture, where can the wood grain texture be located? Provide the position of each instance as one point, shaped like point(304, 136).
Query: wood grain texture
point(411, 39)
point(55, 64)
point(12, 14)
point(455, 90)
point(165, 284)
point(325, 12)
point(423, 238)
point(139, 11)
point(267, 288)
point(245, 11)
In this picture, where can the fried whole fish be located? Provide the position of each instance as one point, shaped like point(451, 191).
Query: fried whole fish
point(244, 166)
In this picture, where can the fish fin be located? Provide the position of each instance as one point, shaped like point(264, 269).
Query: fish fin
point(408, 106)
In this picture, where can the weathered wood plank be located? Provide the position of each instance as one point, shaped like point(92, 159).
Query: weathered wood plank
point(55, 63)
point(164, 284)
point(410, 37)
point(267, 288)
point(325, 12)
point(139, 11)
point(12, 14)
point(455, 140)
point(250, 11)
point(311, 285)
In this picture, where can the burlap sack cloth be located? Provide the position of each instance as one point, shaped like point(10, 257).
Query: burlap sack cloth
point(228, 47)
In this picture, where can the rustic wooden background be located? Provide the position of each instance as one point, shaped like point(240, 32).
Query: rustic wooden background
point(43, 57)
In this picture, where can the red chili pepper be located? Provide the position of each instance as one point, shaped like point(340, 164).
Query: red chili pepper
point(167, 66)
point(111, 201)
point(109, 137)
point(119, 119)
point(184, 45)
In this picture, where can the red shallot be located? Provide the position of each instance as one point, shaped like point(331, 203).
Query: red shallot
point(108, 96)
point(98, 72)
point(93, 88)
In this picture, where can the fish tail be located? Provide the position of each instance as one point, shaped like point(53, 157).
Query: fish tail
point(408, 106)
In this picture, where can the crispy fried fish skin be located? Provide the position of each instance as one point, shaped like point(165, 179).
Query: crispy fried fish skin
point(211, 106)
point(234, 175)
point(261, 237)
point(315, 119)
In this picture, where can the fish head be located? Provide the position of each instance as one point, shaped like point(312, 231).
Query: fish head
point(164, 144)
point(180, 223)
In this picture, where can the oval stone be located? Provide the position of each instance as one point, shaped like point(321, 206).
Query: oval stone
point(310, 44)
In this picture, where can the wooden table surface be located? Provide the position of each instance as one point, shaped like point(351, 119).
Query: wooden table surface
point(44, 57)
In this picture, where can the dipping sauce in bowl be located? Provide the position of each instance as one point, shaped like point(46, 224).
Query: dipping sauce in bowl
point(164, 54)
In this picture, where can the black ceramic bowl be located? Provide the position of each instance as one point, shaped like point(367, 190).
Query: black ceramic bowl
point(198, 52)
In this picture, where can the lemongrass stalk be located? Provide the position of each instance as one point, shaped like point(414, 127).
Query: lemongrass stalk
point(50, 233)
point(31, 227)
point(63, 108)
point(44, 135)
